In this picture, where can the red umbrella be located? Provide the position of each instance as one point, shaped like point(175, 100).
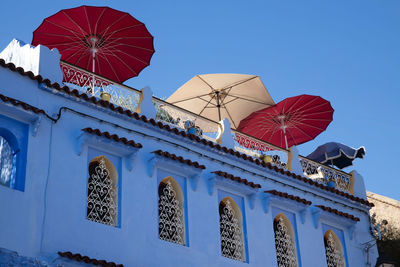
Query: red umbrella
point(292, 121)
point(99, 39)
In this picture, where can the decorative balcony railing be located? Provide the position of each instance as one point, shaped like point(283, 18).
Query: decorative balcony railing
point(93, 84)
point(260, 149)
point(325, 174)
point(185, 119)
point(128, 98)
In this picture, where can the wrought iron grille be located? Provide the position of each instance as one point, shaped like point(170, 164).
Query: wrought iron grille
point(102, 202)
point(334, 256)
point(284, 244)
point(7, 163)
point(171, 223)
point(231, 232)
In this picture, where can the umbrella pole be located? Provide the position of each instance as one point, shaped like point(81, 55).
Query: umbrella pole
point(93, 49)
point(284, 133)
point(93, 60)
point(93, 67)
point(218, 105)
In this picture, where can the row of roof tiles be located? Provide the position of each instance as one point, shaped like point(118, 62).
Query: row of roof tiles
point(337, 212)
point(307, 202)
point(237, 179)
point(179, 158)
point(114, 137)
point(24, 105)
point(79, 258)
point(192, 137)
point(288, 196)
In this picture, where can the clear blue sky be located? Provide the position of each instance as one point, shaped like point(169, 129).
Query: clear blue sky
point(348, 52)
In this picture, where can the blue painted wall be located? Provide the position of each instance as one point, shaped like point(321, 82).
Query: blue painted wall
point(50, 214)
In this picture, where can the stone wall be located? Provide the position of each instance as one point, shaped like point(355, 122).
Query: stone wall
point(385, 208)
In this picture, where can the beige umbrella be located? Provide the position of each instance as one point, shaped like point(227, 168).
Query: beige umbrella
point(219, 96)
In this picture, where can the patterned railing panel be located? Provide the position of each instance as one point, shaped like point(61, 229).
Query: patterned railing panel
point(184, 119)
point(92, 84)
point(253, 143)
point(325, 174)
point(260, 149)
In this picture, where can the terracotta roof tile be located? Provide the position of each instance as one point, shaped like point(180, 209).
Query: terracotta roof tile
point(24, 105)
point(114, 137)
point(335, 211)
point(237, 179)
point(179, 158)
point(288, 196)
point(78, 257)
point(176, 131)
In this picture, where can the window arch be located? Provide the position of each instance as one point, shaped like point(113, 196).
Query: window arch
point(171, 214)
point(8, 158)
point(231, 229)
point(333, 250)
point(102, 202)
point(285, 244)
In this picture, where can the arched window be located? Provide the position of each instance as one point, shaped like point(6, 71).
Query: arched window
point(231, 230)
point(102, 202)
point(285, 242)
point(8, 158)
point(333, 250)
point(171, 214)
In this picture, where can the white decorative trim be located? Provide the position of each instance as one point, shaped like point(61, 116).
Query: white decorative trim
point(156, 161)
point(103, 143)
point(317, 214)
point(267, 199)
point(213, 180)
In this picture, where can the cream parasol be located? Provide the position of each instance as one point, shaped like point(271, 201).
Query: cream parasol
point(219, 96)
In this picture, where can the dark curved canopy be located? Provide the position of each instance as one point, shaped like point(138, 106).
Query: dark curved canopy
point(336, 154)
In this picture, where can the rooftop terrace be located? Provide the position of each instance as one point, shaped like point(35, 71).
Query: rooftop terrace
point(129, 98)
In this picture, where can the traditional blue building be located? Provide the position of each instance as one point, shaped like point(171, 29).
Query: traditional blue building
point(109, 176)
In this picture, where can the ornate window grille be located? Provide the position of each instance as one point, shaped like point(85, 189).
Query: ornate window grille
point(102, 202)
point(334, 253)
point(171, 223)
point(284, 244)
point(7, 163)
point(232, 245)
